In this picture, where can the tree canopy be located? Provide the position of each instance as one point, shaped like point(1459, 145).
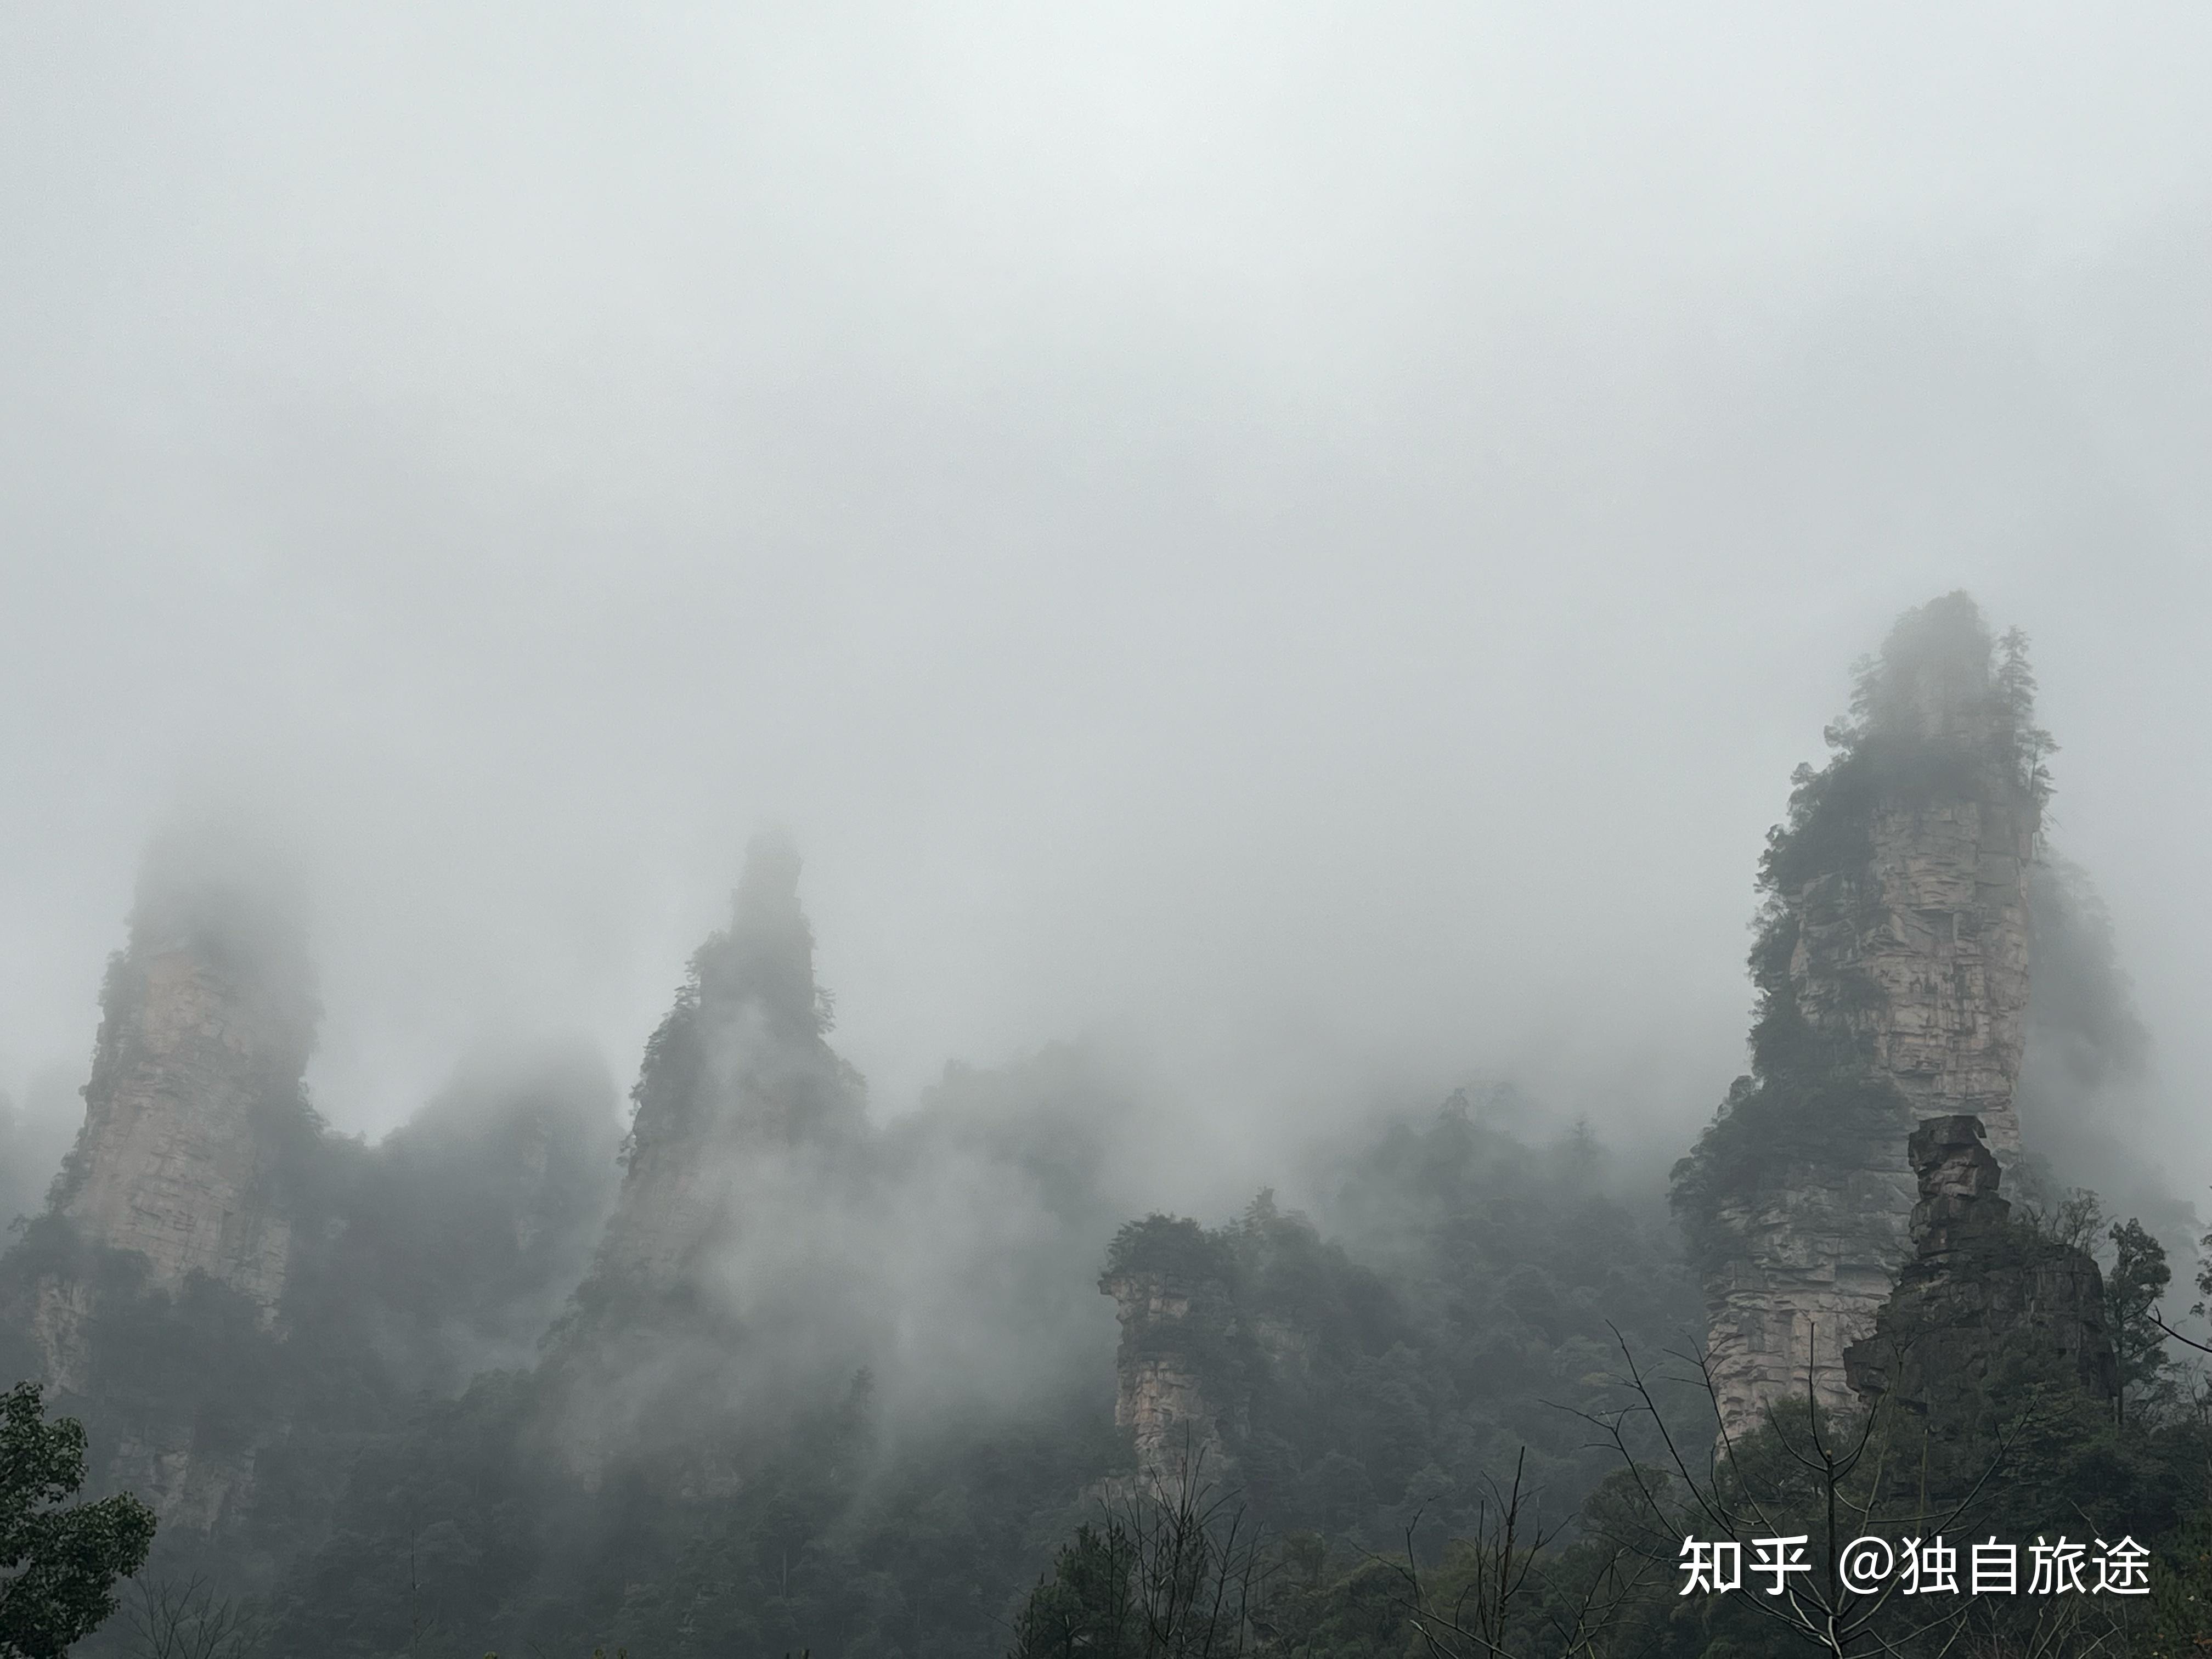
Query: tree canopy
point(59, 1561)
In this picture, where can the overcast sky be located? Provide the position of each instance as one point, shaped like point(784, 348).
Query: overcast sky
point(1308, 538)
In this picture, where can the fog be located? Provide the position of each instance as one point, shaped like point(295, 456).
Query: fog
point(1302, 542)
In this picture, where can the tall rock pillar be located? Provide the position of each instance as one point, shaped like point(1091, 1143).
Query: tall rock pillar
point(717, 1266)
point(1892, 968)
point(207, 1019)
point(1180, 1363)
point(179, 1200)
point(1981, 1304)
point(739, 1074)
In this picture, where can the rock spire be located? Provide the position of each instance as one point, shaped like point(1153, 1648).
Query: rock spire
point(1981, 1296)
point(195, 1100)
point(1171, 1283)
point(723, 1288)
point(740, 1072)
point(1892, 963)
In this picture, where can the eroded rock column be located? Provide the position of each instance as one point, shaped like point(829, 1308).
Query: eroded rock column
point(1893, 965)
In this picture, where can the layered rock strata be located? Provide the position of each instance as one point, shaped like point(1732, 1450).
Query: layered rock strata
point(1237, 1351)
point(1818, 1257)
point(1979, 1294)
point(1893, 966)
point(175, 1206)
point(195, 1116)
point(194, 1087)
point(210, 1258)
point(1921, 958)
point(1174, 1319)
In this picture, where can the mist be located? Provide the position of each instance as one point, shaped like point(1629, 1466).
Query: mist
point(1309, 542)
point(1254, 579)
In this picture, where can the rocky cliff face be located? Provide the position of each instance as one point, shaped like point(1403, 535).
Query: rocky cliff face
point(1177, 1393)
point(720, 1262)
point(1978, 1294)
point(1250, 1353)
point(195, 1099)
point(211, 1259)
point(1817, 1254)
point(1920, 957)
point(1893, 973)
point(174, 1211)
point(738, 1075)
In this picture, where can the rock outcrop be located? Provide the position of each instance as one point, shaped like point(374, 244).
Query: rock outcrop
point(737, 1074)
point(210, 1258)
point(1180, 1392)
point(1893, 966)
point(1921, 959)
point(175, 1210)
point(720, 1262)
point(1980, 1294)
point(1818, 1253)
point(1242, 1351)
point(195, 1104)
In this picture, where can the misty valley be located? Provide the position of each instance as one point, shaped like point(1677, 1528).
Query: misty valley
point(768, 1374)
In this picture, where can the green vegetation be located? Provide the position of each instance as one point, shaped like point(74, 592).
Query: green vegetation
point(1385, 1376)
point(59, 1561)
point(2019, 1452)
point(1456, 1411)
point(453, 1239)
point(1171, 1574)
point(1943, 714)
